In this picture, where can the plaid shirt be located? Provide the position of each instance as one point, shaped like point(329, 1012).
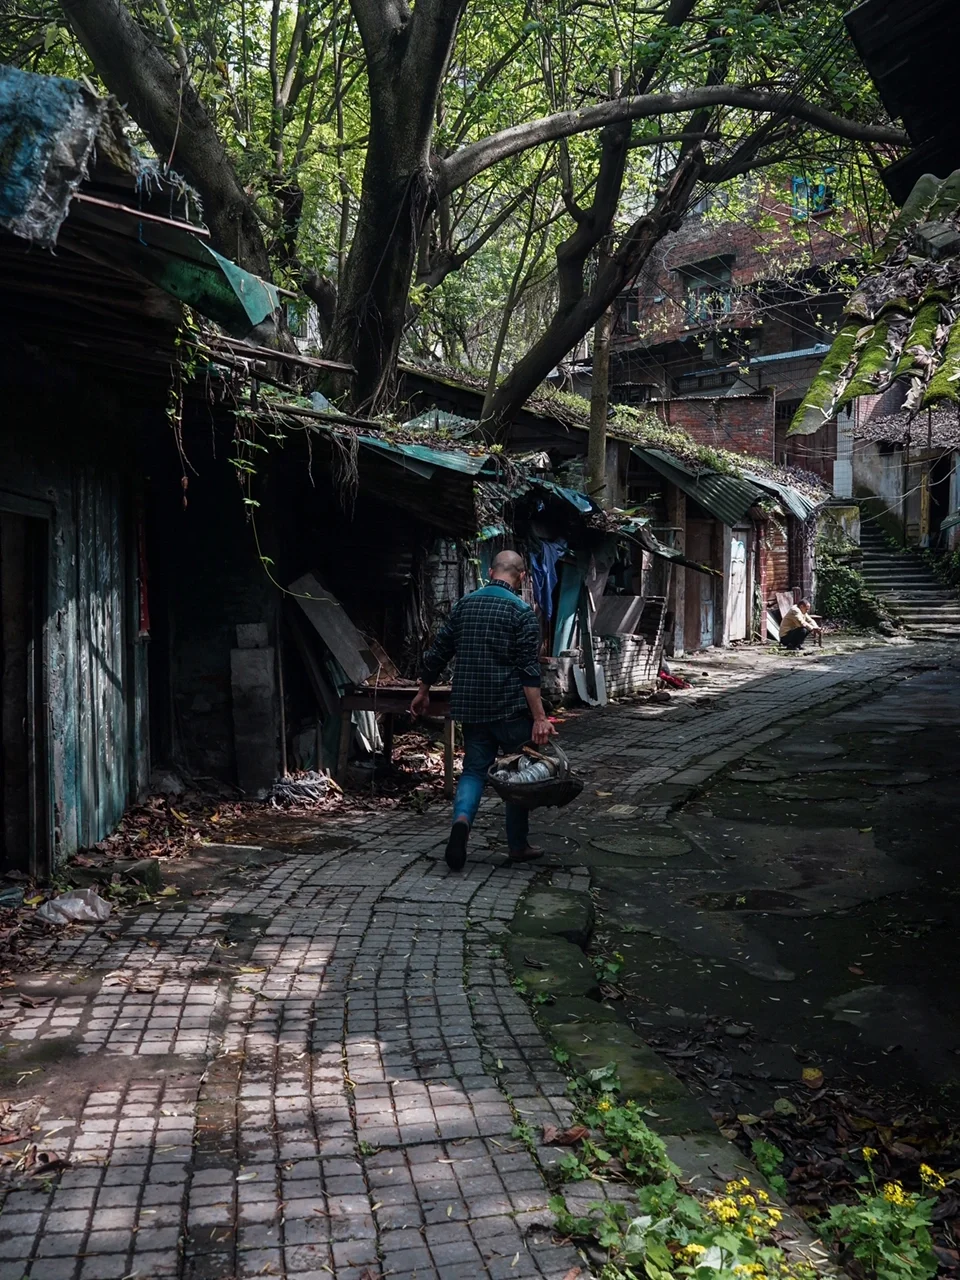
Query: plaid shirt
point(495, 638)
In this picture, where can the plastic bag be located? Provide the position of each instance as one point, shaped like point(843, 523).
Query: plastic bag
point(79, 906)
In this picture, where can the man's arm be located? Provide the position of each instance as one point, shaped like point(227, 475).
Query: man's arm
point(434, 660)
point(528, 665)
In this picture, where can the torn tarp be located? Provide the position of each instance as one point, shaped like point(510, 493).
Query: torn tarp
point(638, 529)
point(48, 126)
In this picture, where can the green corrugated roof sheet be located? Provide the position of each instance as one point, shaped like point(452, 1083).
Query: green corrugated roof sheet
point(729, 498)
point(901, 323)
point(469, 464)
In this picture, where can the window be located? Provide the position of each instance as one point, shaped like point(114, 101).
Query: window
point(813, 196)
point(706, 290)
point(630, 314)
point(703, 381)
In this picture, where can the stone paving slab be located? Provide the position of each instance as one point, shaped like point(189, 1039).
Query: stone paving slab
point(317, 1071)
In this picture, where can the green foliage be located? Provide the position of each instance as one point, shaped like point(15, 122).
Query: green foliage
point(887, 1232)
point(843, 595)
point(769, 1158)
point(608, 968)
point(945, 564)
point(286, 87)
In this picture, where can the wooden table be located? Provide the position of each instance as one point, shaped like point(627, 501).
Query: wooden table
point(390, 701)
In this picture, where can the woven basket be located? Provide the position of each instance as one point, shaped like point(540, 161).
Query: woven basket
point(544, 792)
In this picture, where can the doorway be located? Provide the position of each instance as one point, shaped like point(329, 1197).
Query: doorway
point(738, 594)
point(24, 804)
point(939, 508)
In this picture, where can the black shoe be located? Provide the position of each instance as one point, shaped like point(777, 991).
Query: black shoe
point(456, 854)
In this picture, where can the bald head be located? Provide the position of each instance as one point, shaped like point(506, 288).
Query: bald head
point(508, 566)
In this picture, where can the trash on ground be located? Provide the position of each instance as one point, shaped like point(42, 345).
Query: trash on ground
point(78, 906)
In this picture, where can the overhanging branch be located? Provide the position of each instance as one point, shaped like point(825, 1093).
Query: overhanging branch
point(464, 165)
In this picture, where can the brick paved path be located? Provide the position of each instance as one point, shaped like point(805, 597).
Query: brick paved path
point(317, 1073)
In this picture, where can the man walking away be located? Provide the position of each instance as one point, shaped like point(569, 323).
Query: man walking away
point(494, 637)
point(796, 625)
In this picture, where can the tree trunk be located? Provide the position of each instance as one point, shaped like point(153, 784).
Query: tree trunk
point(599, 406)
point(407, 54)
point(569, 324)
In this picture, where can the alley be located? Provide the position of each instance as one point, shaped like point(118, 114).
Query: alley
point(317, 1069)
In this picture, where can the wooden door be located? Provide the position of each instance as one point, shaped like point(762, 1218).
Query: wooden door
point(737, 586)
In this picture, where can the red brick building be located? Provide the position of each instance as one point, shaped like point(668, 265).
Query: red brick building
point(723, 332)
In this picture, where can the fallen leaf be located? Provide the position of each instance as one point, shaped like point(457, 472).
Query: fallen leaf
point(747, 1118)
point(864, 830)
point(812, 1077)
point(247, 1177)
point(449, 1210)
point(251, 968)
point(34, 901)
point(784, 1107)
point(604, 795)
point(573, 1273)
point(855, 968)
point(564, 1137)
point(169, 892)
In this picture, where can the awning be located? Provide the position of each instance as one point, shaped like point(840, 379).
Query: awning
point(51, 131)
point(727, 497)
point(181, 263)
point(952, 520)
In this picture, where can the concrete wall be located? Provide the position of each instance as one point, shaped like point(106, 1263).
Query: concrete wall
point(880, 476)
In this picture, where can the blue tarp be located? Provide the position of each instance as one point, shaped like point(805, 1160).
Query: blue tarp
point(48, 126)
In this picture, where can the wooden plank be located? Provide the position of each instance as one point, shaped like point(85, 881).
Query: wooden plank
point(330, 620)
point(327, 700)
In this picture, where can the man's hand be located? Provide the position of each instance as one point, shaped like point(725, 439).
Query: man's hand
point(421, 702)
point(543, 730)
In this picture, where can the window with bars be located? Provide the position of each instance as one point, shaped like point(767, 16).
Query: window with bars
point(707, 290)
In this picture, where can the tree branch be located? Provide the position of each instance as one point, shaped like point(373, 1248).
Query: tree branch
point(168, 108)
point(467, 163)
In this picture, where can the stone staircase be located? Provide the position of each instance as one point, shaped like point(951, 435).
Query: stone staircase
point(905, 584)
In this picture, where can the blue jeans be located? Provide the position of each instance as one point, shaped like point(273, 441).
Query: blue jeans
point(482, 743)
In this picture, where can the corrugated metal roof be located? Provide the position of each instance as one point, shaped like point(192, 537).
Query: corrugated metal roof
point(729, 498)
point(468, 464)
point(795, 502)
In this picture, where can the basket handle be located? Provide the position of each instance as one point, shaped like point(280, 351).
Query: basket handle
point(561, 756)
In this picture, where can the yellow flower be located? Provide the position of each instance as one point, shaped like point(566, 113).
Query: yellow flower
point(690, 1252)
point(748, 1200)
point(763, 1197)
point(774, 1216)
point(603, 1105)
point(931, 1179)
point(869, 1153)
point(894, 1193)
point(723, 1209)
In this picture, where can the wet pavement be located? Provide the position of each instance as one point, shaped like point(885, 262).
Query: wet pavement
point(314, 1066)
point(803, 903)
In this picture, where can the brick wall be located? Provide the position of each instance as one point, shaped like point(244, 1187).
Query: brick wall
point(630, 665)
point(742, 423)
point(767, 244)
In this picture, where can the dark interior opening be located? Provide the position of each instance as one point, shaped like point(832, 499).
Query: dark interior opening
point(24, 799)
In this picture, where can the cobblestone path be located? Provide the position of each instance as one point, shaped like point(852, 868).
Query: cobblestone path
point(317, 1073)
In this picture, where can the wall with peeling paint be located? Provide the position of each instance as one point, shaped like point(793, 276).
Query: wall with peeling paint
point(67, 462)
